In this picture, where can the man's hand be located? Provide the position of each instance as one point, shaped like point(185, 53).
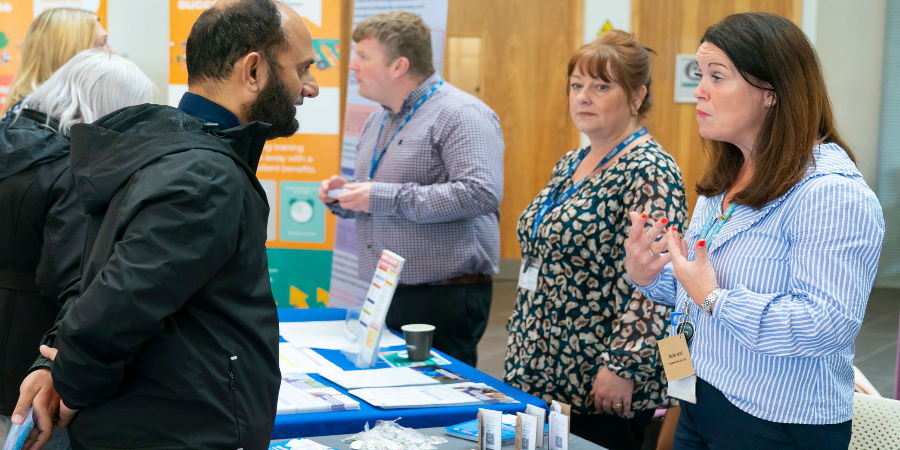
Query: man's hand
point(37, 390)
point(357, 196)
point(335, 182)
point(65, 413)
point(48, 352)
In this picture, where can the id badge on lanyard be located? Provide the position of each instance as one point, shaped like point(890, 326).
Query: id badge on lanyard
point(676, 359)
point(528, 273)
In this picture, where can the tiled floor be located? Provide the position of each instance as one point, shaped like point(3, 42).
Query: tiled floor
point(876, 345)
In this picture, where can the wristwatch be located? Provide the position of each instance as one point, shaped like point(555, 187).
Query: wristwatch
point(707, 305)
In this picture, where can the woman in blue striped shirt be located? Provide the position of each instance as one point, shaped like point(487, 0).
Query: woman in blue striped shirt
point(774, 271)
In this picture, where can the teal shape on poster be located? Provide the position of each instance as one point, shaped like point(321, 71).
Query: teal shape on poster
point(301, 214)
point(300, 275)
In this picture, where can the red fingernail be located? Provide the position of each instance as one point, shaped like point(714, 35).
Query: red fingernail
point(643, 216)
point(701, 243)
point(664, 220)
point(673, 228)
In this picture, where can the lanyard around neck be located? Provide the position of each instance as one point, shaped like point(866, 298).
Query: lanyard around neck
point(555, 198)
point(376, 154)
point(715, 222)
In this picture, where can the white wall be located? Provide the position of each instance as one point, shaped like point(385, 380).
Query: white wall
point(849, 37)
point(139, 30)
point(596, 14)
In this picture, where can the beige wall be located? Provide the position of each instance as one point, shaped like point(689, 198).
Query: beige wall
point(849, 36)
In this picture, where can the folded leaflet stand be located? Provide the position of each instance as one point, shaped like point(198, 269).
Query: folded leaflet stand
point(364, 334)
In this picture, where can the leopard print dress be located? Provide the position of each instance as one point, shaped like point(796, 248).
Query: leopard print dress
point(584, 313)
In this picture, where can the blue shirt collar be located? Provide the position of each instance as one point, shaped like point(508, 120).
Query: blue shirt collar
point(208, 111)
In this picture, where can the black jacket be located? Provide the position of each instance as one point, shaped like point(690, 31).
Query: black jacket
point(42, 228)
point(172, 341)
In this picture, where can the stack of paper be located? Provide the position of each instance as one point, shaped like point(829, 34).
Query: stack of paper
point(295, 360)
point(393, 376)
point(432, 395)
point(327, 334)
point(304, 394)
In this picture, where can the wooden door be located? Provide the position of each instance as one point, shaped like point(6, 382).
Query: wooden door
point(524, 48)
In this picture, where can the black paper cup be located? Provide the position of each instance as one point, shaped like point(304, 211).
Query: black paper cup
point(418, 340)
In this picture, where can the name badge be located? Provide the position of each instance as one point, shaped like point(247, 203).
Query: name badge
point(676, 357)
point(528, 274)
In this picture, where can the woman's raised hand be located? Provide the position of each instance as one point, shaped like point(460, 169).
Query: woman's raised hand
point(645, 253)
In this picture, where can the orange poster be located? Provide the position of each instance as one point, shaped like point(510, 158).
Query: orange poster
point(15, 17)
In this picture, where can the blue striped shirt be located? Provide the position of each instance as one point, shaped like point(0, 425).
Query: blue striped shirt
point(796, 276)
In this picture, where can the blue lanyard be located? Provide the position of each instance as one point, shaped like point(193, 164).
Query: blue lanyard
point(555, 198)
point(715, 223)
point(708, 232)
point(376, 155)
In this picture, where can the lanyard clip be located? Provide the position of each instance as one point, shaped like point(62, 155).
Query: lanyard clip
point(675, 319)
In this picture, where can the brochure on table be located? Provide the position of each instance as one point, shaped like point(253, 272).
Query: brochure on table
point(400, 358)
point(431, 395)
point(296, 360)
point(327, 334)
point(393, 376)
point(469, 430)
point(303, 394)
point(365, 333)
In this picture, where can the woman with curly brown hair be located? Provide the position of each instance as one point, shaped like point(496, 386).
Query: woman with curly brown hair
point(579, 332)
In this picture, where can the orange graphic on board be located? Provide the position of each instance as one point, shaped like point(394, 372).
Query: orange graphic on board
point(15, 17)
point(289, 165)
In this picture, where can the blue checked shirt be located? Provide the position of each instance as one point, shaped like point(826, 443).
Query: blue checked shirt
point(436, 192)
point(797, 275)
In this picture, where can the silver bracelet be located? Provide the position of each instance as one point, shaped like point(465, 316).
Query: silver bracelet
point(707, 305)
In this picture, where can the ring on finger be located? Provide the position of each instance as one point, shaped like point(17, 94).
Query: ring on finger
point(617, 405)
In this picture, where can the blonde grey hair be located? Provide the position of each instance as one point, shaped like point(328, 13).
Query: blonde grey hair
point(91, 85)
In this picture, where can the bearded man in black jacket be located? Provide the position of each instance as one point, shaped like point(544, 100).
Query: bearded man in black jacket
point(172, 338)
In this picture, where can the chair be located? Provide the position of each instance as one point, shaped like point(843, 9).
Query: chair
point(897, 383)
point(876, 423)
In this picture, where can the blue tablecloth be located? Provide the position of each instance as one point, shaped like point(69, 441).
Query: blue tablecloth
point(345, 422)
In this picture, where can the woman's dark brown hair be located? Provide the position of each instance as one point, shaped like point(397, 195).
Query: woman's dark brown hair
point(616, 56)
point(769, 49)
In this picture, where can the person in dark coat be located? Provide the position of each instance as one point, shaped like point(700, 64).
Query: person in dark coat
point(172, 339)
point(42, 223)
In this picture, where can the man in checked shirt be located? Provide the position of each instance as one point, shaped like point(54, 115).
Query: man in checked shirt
point(432, 164)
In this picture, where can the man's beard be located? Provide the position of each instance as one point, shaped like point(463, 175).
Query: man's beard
point(274, 105)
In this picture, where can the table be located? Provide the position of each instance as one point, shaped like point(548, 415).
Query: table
point(349, 422)
point(453, 443)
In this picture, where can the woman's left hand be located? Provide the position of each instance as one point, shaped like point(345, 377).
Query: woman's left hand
point(698, 276)
point(612, 393)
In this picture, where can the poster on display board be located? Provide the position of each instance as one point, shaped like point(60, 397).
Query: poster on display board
point(347, 289)
point(300, 233)
point(15, 18)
